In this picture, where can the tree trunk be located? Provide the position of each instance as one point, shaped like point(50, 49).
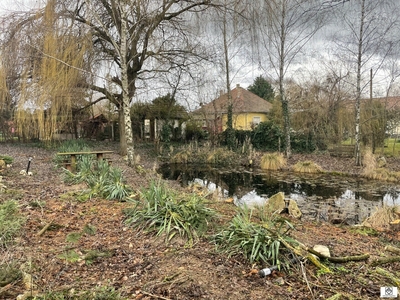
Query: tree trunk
point(284, 100)
point(358, 87)
point(121, 129)
point(230, 135)
point(125, 92)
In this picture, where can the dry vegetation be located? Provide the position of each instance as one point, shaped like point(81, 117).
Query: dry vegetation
point(81, 248)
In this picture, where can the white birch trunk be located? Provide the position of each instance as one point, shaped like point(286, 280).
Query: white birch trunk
point(125, 91)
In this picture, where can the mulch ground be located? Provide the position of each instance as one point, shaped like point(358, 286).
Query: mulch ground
point(141, 266)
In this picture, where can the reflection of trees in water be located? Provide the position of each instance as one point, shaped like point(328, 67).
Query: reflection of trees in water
point(325, 198)
point(267, 184)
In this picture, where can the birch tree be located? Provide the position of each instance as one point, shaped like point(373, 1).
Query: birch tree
point(286, 27)
point(366, 38)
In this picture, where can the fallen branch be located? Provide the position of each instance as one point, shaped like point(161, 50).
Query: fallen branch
point(388, 275)
point(154, 296)
point(392, 249)
point(335, 297)
point(302, 251)
point(340, 259)
point(5, 288)
point(45, 228)
point(385, 260)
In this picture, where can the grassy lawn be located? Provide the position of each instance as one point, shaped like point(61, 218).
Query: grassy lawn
point(391, 148)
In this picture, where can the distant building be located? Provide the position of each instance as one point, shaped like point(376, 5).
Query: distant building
point(248, 111)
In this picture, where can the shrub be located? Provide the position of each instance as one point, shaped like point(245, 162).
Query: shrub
point(194, 132)
point(307, 167)
point(267, 136)
point(164, 211)
point(273, 161)
point(10, 222)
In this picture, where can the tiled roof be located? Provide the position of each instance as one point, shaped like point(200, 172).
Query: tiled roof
point(243, 101)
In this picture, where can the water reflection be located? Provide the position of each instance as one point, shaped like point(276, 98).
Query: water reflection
point(320, 197)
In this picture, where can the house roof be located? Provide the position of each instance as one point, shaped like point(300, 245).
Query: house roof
point(243, 101)
point(390, 102)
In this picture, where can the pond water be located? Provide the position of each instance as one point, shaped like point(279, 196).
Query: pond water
point(336, 199)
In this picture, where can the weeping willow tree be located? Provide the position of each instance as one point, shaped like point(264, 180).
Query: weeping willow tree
point(50, 79)
point(5, 104)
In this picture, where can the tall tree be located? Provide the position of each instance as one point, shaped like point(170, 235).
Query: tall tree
point(289, 25)
point(368, 39)
point(48, 58)
point(262, 88)
point(136, 38)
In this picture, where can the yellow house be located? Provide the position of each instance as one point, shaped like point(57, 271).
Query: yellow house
point(248, 111)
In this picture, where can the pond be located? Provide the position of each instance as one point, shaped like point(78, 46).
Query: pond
point(325, 197)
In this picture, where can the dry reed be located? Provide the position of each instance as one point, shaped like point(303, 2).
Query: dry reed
point(273, 161)
point(381, 218)
point(307, 167)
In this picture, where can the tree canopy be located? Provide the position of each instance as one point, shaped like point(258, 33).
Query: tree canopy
point(262, 88)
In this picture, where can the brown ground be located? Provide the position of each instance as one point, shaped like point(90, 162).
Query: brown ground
point(143, 267)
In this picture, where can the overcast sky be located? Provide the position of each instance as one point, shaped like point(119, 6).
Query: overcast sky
point(311, 62)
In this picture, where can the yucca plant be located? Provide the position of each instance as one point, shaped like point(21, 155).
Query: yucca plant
point(7, 159)
point(164, 211)
point(71, 146)
point(257, 242)
point(102, 179)
point(307, 167)
point(273, 161)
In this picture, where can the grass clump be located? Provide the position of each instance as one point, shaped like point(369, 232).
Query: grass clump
point(10, 222)
point(382, 217)
point(373, 170)
point(98, 293)
point(273, 161)
point(102, 179)
point(7, 159)
point(165, 211)
point(307, 167)
point(257, 242)
point(9, 273)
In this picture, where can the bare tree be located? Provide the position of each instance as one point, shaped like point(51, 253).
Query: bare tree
point(137, 38)
point(367, 40)
point(285, 27)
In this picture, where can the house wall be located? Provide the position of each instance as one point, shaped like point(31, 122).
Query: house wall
point(243, 121)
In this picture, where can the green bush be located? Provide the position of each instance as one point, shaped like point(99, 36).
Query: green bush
point(267, 136)
point(10, 222)
point(164, 211)
point(194, 132)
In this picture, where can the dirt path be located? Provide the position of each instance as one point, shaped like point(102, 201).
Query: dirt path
point(88, 246)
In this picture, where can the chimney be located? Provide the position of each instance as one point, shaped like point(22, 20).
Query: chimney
point(221, 92)
point(237, 85)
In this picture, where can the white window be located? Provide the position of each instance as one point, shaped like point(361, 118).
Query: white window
point(256, 120)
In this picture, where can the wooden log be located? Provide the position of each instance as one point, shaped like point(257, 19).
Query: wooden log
point(45, 228)
point(388, 275)
point(385, 260)
point(392, 249)
point(340, 259)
